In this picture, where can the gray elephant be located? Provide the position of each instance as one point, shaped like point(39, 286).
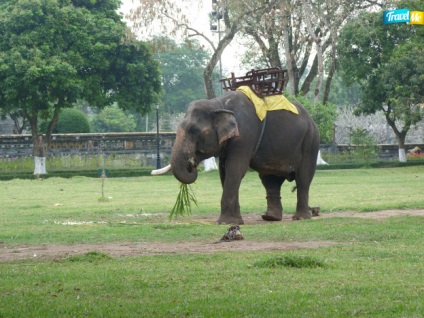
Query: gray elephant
point(282, 147)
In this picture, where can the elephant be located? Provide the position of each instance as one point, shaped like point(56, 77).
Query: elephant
point(282, 147)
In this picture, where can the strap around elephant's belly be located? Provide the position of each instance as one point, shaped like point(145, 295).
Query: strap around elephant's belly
point(260, 138)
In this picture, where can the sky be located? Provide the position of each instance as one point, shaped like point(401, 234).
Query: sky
point(199, 12)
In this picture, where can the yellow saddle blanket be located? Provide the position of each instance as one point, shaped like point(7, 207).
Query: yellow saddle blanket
point(268, 103)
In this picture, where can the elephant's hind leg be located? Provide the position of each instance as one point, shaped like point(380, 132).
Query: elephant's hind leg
point(272, 185)
point(303, 182)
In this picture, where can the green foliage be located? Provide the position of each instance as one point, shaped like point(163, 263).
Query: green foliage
point(53, 53)
point(403, 77)
point(387, 61)
point(343, 94)
point(182, 72)
point(72, 121)
point(366, 150)
point(323, 115)
point(290, 260)
point(113, 119)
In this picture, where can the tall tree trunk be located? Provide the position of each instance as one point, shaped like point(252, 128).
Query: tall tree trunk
point(270, 53)
point(333, 68)
point(33, 123)
point(400, 135)
point(207, 74)
point(328, 81)
point(39, 149)
point(401, 141)
point(306, 86)
point(51, 126)
point(316, 37)
point(290, 59)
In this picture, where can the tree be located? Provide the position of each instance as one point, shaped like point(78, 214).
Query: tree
point(53, 52)
point(387, 61)
point(402, 79)
point(173, 17)
point(72, 121)
point(113, 119)
point(182, 68)
point(302, 36)
point(20, 123)
point(323, 116)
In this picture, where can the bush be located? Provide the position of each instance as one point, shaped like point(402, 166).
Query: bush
point(323, 116)
point(367, 147)
point(72, 121)
point(113, 119)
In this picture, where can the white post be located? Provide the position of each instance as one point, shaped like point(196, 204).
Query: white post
point(320, 161)
point(210, 164)
point(402, 155)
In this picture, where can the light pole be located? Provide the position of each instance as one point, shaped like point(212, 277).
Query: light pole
point(157, 138)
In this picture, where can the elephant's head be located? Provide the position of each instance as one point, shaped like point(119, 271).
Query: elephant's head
point(200, 135)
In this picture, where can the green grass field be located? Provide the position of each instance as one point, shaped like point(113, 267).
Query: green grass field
point(375, 270)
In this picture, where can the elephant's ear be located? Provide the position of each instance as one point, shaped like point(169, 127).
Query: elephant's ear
point(226, 125)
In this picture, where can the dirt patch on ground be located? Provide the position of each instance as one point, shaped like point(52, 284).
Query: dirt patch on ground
point(255, 219)
point(57, 251)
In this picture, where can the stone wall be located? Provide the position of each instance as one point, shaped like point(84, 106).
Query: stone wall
point(14, 146)
point(385, 151)
point(139, 143)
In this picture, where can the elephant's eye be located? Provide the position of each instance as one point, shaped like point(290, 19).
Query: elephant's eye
point(193, 130)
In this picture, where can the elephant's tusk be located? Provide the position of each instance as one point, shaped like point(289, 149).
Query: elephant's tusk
point(161, 171)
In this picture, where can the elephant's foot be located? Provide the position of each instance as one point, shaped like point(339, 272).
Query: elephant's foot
point(230, 219)
point(275, 209)
point(301, 215)
point(272, 216)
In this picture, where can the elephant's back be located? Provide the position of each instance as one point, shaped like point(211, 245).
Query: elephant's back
point(287, 138)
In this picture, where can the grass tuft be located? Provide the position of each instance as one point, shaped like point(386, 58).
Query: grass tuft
point(90, 257)
point(290, 260)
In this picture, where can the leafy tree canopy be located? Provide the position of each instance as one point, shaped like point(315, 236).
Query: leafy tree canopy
point(322, 114)
point(113, 119)
point(182, 72)
point(53, 52)
point(72, 121)
point(387, 61)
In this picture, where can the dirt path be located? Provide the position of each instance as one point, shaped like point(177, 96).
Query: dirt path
point(57, 251)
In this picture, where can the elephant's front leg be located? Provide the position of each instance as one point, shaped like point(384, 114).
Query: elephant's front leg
point(272, 186)
point(230, 207)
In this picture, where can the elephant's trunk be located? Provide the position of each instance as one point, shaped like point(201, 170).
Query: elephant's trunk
point(184, 166)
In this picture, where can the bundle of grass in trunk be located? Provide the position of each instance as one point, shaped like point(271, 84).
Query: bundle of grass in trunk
point(182, 206)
